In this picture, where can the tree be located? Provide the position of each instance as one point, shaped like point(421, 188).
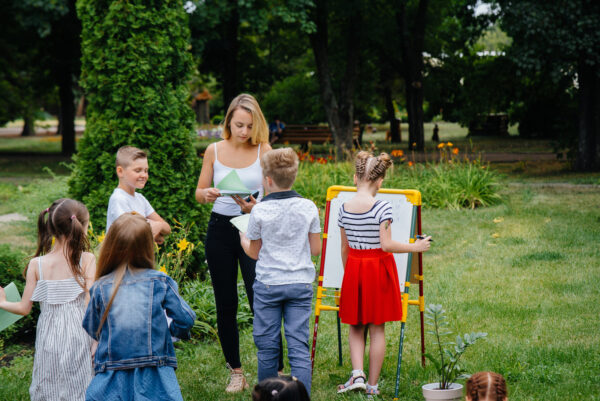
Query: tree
point(563, 37)
point(338, 104)
point(135, 66)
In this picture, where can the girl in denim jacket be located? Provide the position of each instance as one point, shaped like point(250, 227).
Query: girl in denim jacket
point(135, 358)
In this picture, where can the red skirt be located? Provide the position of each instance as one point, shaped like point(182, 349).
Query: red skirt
point(370, 289)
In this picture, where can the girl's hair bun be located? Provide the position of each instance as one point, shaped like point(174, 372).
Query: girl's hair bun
point(371, 168)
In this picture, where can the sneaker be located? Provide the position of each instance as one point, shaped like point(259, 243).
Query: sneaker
point(237, 381)
point(356, 382)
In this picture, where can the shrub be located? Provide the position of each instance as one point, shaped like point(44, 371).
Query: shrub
point(200, 296)
point(12, 264)
point(455, 185)
point(135, 65)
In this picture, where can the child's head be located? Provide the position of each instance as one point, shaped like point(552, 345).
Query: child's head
point(369, 168)
point(128, 243)
point(66, 220)
point(281, 165)
point(284, 388)
point(486, 386)
point(244, 118)
point(132, 167)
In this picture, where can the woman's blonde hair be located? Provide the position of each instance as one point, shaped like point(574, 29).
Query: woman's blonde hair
point(260, 130)
point(371, 168)
point(128, 243)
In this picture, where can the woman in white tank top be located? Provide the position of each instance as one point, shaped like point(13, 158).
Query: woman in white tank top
point(245, 140)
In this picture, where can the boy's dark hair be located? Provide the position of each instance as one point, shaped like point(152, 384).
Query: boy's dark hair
point(128, 154)
point(66, 219)
point(281, 165)
point(283, 388)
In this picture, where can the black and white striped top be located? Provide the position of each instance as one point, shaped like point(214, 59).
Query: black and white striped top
point(362, 229)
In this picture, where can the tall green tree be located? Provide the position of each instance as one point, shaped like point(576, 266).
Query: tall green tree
point(562, 36)
point(135, 66)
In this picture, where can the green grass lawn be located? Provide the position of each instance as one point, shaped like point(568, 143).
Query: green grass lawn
point(530, 280)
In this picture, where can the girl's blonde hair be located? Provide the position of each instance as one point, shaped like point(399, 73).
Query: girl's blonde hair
point(260, 130)
point(128, 243)
point(486, 386)
point(371, 168)
point(66, 219)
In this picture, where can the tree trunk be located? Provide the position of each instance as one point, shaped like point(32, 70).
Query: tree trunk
point(340, 113)
point(588, 154)
point(414, 102)
point(231, 87)
point(412, 42)
point(28, 123)
point(395, 135)
point(67, 112)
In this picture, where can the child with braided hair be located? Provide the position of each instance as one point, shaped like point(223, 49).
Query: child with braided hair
point(486, 386)
point(370, 294)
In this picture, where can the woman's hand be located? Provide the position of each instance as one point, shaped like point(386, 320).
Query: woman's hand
point(245, 206)
point(210, 194)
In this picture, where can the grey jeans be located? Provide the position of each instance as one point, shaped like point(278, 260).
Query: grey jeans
point(292, 303)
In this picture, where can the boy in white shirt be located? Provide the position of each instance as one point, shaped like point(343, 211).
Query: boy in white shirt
point(283, 233)
point(132, 170)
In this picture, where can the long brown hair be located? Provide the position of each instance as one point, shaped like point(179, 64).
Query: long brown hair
point(65, 219)
point(486, 386)
point(128, 244)
point(260, 129)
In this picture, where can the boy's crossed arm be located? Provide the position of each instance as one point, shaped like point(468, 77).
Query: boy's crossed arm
point(159, 227)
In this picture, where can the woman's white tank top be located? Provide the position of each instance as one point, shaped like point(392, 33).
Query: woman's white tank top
point(251, 176)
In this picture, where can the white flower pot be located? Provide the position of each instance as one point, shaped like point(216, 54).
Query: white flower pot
point(432, 392)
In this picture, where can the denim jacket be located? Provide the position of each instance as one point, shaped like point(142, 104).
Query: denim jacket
point(135, 333)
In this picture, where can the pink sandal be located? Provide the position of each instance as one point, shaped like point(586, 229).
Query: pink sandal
point(357, 382)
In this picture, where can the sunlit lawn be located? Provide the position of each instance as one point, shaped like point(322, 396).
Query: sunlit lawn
point(530, 280)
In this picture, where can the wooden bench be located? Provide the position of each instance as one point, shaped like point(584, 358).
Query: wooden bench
point(303, 134)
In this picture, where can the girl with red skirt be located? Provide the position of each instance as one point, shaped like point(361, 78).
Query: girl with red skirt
point(370, 294)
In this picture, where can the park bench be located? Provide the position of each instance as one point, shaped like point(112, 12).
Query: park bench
point(303, 134)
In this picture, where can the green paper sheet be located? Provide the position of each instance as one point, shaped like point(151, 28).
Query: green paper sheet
point(7, 318)
point(241, 222)
point(231, 184)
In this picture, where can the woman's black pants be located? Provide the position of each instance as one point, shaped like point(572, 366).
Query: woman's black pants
point(223, 254)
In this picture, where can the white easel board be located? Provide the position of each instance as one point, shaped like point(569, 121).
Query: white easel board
point(404, 204)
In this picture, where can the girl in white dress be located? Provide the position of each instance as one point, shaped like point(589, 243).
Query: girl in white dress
point(59, 277)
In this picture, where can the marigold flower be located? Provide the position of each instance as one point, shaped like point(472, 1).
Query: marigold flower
point(312, 158)
point(455, 151)
point(397, 153)
point(101, 237)
point(163, 269)
point(410, 164)
point(182, 245)
point(321, 160)
point(414, 144)
point(441, 145)
point(449, 144)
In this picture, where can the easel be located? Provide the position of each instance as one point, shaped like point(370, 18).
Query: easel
point(333, 294)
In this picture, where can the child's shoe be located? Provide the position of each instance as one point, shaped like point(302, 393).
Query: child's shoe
point(237, 381)
point(357, 381)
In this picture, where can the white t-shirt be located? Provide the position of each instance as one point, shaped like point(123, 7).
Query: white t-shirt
point(121, 202)
point(283, 221)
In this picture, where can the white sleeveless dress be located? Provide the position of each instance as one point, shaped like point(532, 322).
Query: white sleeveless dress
point(62, 366)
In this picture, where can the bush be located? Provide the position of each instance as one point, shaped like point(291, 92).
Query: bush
point(135, 66)
point(200, 296)
point(295, 100)
point(451, 184)
point(12, 264)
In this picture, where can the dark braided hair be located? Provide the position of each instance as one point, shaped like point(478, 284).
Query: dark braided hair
point(283, 388)
point(371, 168)
point(486, 386)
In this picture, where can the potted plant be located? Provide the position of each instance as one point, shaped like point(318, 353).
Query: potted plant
point(447, 355)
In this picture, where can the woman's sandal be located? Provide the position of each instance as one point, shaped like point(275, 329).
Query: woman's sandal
point(371, 391)
point(357, 382)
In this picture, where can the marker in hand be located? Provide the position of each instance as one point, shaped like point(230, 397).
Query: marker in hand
point(423, 236)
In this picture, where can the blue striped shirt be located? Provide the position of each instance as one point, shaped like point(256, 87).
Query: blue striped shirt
point(362, 229)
